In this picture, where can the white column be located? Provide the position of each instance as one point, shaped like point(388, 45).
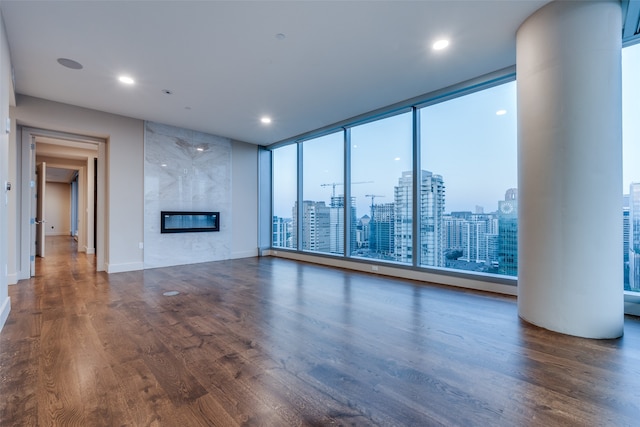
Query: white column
point(570, 276)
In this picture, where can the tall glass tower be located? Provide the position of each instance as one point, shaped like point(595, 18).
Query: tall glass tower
point(381, 229)
point(508, 233)
point(634, 236)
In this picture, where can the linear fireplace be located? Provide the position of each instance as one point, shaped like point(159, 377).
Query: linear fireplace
point(189, 222)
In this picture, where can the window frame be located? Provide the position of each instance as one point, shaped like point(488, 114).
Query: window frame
point(413, 105)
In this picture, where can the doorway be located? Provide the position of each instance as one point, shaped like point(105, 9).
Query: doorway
point(79, 162)
point(58, 211)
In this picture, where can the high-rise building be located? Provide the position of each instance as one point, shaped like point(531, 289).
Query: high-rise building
point(315, 226)
point(432, 232)
point(336, 224)
point(336, 221)
point(474, 239)
point(625, 243)
point(493, 241)
point(381, 229)
point(634, 236)
point(362, 233)
point(281, 232)
point(453, 230)
point(471, 239)
point(403, 198)
point(432, 200)
point(493, 250)
point(508, 233)
point(353, 219)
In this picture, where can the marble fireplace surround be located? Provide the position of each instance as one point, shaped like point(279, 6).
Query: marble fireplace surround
point(185, 170)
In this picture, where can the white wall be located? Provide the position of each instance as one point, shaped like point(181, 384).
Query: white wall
point(124, 170)
point(14, 205)
point(244, 193)
point(6, 94)
point(57, 209)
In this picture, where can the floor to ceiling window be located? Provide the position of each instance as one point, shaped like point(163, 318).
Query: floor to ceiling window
point(285, 187)
point(469, 147)
point(381, 188)
point(323, 194)
point(466, 179)
point(631, 165)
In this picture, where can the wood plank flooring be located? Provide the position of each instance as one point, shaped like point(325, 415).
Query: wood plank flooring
point(272, 342)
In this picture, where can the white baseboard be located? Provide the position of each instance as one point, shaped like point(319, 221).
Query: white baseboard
point(12, 278)
point(5, 309)
point(121, 268)
point(57, 233)
point(245, 254)
point(632, 303)
point(470, 282)
point(89, 251)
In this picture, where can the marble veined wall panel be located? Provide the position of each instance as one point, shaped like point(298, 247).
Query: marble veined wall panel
point(185, 170)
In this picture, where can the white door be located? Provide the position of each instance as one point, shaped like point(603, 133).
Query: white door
point(29, 147)
point(41, 171)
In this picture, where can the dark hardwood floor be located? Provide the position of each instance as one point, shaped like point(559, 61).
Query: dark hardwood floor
point(272, 342)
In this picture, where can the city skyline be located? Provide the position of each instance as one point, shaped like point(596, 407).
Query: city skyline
point(481, 242)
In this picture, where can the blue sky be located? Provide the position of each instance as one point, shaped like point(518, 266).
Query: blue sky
point(630, 116)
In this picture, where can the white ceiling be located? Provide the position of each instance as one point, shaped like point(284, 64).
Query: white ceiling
point(64, 158)
point(61, 175)
point(226, 67)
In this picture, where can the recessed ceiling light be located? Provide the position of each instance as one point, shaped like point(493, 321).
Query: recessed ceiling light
point(70, 63)
point(501, 112)
point(167, 92)
point(126, 80)
point(280, 36)
point(397, 158)
point(266, 120)
point(200, 149)
point(440, 44)
point(164, 165)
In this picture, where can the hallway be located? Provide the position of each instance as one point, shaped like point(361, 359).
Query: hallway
point(62, 256)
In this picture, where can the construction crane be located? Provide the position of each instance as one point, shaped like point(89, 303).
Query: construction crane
point(333, 185)
point(373, 196)
point(374, 229)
